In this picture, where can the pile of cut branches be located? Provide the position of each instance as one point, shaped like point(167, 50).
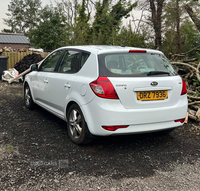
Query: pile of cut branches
point(189, 69)
point(27, 61)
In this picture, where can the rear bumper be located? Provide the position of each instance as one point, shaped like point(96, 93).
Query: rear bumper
point(101, 112)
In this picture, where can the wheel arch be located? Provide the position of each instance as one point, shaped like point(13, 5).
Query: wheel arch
point(71, 102)
point(68, 106)
point(24, 85)
point(87, 131)
point(27, 82)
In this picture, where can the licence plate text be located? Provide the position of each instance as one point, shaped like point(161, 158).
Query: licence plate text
point(152, 95)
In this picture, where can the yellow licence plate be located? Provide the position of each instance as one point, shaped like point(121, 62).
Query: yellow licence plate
point(152, 95)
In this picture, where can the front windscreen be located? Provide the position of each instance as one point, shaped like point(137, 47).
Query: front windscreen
point(134, 64)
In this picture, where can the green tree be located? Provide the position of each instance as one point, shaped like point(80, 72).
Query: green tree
point(178, 31)
point(50, 33)
point(101, 28)
point(193, 12)
point(126, 37)
point(71, 11)
point(82, 29)
point(107, 20)
point(156, 7)
point(189, 38)
point(173, 14)
point(7, 31)
point(22, 15)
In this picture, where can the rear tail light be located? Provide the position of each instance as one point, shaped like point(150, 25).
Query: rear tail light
point(102, 87)
point(180, 120)
point(113, 128)
point(184, 88)
point(137, 51)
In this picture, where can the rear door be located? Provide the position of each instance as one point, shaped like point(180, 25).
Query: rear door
point(141, 79)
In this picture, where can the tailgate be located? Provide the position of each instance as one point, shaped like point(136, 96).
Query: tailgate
point(148, 92)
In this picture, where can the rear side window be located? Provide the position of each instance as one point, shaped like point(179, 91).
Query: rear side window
point(70, 62)
point(84, 58)
point(133, 64)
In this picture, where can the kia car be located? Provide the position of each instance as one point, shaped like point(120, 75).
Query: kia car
point(108, 90)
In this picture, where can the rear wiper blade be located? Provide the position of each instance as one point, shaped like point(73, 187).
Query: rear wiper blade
point(151, 73)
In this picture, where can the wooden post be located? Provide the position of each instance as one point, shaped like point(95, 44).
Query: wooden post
point(186, 119)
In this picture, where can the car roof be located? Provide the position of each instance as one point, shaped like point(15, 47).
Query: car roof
point(102, 49)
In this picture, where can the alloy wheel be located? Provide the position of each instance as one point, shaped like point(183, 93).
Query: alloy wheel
point(75, 123)
point(27, 96)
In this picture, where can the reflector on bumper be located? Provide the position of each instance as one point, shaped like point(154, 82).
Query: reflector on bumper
point(113, 128)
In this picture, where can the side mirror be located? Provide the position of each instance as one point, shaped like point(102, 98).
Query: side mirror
point(34, 67)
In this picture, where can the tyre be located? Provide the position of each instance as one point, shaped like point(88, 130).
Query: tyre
point(29, 104)
point(77, 127)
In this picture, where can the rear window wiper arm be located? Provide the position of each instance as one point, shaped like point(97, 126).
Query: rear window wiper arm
point(151, 73)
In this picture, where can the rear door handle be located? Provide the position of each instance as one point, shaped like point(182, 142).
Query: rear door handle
point(46, 81)
point(67, 85)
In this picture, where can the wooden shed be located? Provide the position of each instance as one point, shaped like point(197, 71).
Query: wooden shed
point(14, 40)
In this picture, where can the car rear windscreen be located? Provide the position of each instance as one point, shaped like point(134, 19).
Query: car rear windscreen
point(134, 64)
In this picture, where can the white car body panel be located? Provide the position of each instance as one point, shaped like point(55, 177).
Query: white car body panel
point(58, 90)
point(38, 85)
point(127, 89)
point(112, 112)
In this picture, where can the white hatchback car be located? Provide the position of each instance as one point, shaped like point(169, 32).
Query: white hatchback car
point(108, 90)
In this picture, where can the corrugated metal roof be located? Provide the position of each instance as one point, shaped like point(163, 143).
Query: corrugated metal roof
point(13, 39)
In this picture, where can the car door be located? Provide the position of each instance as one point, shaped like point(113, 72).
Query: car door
point(40, 81)
point(62, 81)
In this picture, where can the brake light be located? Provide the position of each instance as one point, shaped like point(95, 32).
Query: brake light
point(180, 120)
point(102, 87)
point(184, 88)
point(113, 128)
point(137, 51)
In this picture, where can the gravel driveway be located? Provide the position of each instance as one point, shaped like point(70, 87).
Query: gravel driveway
point(36, 154)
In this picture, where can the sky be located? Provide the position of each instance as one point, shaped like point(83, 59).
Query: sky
point(4, 9)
